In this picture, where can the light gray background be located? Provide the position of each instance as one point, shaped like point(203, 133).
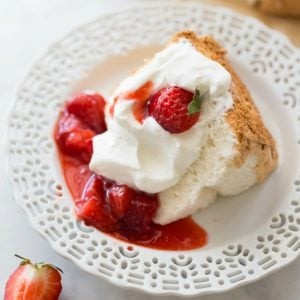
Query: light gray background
point(27, 27)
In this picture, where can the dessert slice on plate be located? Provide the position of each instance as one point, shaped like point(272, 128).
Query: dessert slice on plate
point(178, 132)
point(223, 149)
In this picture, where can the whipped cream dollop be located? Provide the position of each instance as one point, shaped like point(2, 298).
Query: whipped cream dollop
point(144, 155)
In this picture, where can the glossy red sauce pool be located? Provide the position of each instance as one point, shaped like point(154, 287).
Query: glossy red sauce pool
point(184, 234)
point(140, 98)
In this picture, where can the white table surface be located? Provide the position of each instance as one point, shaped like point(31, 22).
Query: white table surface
point(27, 27)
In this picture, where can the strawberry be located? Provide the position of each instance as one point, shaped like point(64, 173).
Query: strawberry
point(119, 198)
point(89, 108)
point(135, 210)
point(92, 207)
point(40, 281)
point(175, 109)
point(140, 212)
point(74, 137)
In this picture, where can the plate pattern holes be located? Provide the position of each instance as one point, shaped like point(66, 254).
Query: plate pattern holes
point(120, 276)
point(283, 255)
point(233, 250)
point(124, 264)
point(90, 263)
point(173, 267)
point(217, 273)
point(242, 261)
point(221, 267)
point(173, 274)
point(95, 255)
point(153, 284)
point(108, 249)
point(154, 275)
point(207, 271)
point(72, 235)
point(250, 271)
point(161, 271)
point(104, 242)
point(63, 244)
point(280, 231)
point(220, 281)
point(95, 243)
point(155, 260)
point(134, 267)
point(181, 261)
point(128, 252)
point(91, 248)
point(183, 274)
point(260, 239)
point(209, 259)
point(278, 221)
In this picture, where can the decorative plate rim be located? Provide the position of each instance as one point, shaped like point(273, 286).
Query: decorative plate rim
point(157, 289)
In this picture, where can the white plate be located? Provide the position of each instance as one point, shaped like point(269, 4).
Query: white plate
point(250, 235)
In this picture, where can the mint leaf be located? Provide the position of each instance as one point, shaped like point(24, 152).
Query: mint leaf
point(198, 98)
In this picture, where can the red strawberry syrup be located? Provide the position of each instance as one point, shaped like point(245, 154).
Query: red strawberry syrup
point(184, 234)
point(140, 98)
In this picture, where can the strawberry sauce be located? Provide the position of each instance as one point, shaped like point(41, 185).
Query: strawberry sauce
point(140, 98)
point(184, 234)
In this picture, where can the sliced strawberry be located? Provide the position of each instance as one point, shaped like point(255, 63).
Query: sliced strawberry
point(135, 210)
point(140, 213)
point(33, 282)
point(89, 108)
point(175, 109)
point(93, 209)
point(119, 198)
point(74, 137)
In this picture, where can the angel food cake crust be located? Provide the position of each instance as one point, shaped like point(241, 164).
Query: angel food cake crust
point(244, 118)
point(240, 131)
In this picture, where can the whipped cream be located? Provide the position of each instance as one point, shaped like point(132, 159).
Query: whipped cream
point(145, 156)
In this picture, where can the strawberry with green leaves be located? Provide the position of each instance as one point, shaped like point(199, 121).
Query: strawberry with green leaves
point(175, 108)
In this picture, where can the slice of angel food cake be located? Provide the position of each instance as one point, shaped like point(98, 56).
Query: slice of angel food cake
point(184, 126)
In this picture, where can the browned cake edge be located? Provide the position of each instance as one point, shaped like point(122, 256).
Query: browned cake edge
point(244, 118)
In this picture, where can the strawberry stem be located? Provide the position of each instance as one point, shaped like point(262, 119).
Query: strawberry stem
point(24, 259)
point(37, 265)
point(198, 98)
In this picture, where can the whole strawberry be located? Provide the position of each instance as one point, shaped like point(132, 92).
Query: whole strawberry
point(175, 108)
point(40, 281)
